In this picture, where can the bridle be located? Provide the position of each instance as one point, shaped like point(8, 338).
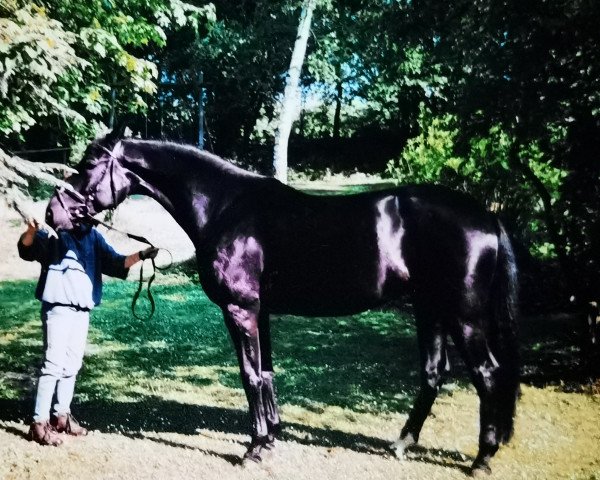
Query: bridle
point(80, 210)
point(80, 213)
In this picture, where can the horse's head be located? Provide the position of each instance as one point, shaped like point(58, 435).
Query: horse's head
point(101, 183)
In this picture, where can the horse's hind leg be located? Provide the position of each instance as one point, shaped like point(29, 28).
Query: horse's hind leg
point(268, 390)
point(483, 367)
point(434, 366)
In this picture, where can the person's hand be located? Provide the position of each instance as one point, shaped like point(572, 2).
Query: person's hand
point(150, 252)
point(32, 226)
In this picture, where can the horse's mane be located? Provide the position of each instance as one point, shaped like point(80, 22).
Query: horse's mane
point(184, 158)
point(170, 156)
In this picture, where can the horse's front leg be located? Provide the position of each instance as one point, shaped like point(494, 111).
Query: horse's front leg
point(242, 323)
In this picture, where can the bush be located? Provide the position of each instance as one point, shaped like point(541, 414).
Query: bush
point(480, 166)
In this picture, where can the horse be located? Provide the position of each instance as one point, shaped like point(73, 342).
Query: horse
point(265, 248)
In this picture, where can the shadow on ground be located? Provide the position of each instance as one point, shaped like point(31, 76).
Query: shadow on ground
point(140, 420)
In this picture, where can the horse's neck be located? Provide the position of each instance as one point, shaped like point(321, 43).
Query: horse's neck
point(193, 196)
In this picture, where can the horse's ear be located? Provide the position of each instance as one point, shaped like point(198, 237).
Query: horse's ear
point(110, 139)
point(117, 133)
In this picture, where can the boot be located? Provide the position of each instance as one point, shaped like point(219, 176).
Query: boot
point(44, 434)
point(66, 423)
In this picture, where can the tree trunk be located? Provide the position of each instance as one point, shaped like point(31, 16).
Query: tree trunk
point(337, 116)
point(553, 230)
point(290, 102)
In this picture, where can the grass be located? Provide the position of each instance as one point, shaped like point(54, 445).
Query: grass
point(185, 348)
point(341, 381)
point(363, 363)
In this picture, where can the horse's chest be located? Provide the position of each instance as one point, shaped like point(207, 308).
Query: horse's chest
point(231, 273)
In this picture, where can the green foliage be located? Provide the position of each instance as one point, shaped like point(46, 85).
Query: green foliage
point(39, 70)
point(482, 168)
point(64, 59)
point(19, 177)
point(430, 156)
point(62, 63)
point(501, 99)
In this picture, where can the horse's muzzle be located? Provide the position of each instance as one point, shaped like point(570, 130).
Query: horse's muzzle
point(57, 216)
point(66, 209)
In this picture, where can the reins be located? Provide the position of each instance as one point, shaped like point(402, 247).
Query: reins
point(136, 295)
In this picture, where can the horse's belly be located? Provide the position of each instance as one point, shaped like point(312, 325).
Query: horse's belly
point(313, 303)
point(324, 288)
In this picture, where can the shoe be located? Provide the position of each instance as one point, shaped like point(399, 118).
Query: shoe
point(44, 434)
point(67, 424)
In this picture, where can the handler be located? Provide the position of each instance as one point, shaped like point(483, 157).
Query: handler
point(70, 285)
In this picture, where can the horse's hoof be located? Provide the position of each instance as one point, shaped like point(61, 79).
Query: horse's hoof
point(480, 470)
point(251, 458)
point(269, 445)
point(400, 446)
point(259, 451)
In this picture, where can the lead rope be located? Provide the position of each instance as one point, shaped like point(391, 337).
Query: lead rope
point(136, 295)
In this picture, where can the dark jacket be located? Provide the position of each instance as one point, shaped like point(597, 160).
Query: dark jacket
point(95, 255)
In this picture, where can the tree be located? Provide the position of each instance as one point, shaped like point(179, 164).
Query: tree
point(291, 94)
point(54, 74)
point(15, 174)
point(531, 71)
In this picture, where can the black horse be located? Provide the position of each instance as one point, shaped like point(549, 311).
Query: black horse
point(263, 247)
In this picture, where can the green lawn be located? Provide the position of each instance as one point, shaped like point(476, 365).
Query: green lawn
point(366, 362)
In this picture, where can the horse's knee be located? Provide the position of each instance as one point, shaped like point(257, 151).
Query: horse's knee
point(244, 320)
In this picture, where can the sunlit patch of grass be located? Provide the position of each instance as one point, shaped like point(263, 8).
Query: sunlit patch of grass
point(363, 363)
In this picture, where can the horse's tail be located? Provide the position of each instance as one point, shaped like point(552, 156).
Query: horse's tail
point(505, 344)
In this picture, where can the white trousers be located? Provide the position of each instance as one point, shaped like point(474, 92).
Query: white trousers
point(65, 333)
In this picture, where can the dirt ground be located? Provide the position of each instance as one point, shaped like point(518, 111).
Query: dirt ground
point(557, 433)
point(557, 437)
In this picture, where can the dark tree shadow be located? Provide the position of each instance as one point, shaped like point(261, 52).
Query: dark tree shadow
point(152, 414)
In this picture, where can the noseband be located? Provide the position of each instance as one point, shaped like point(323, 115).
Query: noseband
point(75, 212)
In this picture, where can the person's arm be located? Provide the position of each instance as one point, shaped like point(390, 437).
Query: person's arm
point(33, 244)
point(132, 259)
point(117, 265)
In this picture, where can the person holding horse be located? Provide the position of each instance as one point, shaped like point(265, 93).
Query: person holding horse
point(70, 285)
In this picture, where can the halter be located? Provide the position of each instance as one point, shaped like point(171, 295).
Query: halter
point(81, 203)
point(111, 165)
point(80, 210)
